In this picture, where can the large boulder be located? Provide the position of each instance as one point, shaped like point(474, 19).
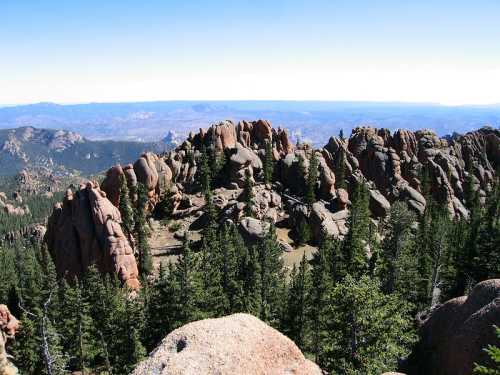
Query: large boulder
point(379, 205)
point(454, 334)
point(253, 230)
point(236, 344)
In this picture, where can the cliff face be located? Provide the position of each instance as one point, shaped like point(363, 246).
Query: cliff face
point(392, 165)
point(84, 230)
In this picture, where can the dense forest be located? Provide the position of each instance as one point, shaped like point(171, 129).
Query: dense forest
point(349, 312)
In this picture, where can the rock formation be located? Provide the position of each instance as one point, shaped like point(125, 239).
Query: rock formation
point(85, 230)
point(8, 327)
point(454, 334)
point(236, 344)
point(392, 165)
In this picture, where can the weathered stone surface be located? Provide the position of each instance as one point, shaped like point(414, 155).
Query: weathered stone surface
point(454, 334)
point(84, 230)
point(379, 205)
point(8, 327)
point(236, 344)
point(252, 229)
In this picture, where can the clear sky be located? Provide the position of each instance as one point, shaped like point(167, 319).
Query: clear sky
point(132, 50)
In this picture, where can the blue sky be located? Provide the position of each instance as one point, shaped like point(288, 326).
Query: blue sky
point(88, 50)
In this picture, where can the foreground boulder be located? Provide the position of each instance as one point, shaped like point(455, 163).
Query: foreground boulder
point(454, 334)
point(236, 344)
point(8, 327)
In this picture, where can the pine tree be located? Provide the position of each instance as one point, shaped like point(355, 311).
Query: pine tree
point(248, 195)
point(268, 163)
point(142, 232)
point(367, 330)
point(320, 286)
point(205, 172)
point(358, 237)
point(271, 278)
point(160, 305)
point(494, 354)
point(312, 177)
point(249, 276)
point(297, 303)
point(79, 339)
point(340, 174)
point(231, 286)
point(125, 206)
point(397, 261)
point(188, 287)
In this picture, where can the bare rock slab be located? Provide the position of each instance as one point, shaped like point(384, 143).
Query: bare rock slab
point(235, 344)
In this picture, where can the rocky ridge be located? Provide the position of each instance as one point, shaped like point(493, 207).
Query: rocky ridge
point(391, 165)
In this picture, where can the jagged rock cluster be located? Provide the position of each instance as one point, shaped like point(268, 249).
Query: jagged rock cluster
point(8, 327)
point(391, 165)
point(235, 344)
point(14, 207)
point(85, 230)
point(454, 334)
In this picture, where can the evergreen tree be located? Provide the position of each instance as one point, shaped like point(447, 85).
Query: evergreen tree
point(397, 262)
point(248, 195)
point(160, 305)
point(312, 177)
point(367, 330)
point(340, 174)
point(142, 232)
point(80, 339)
point(297, 303)
point(268, 163)
point(188, 287)
point(249, 276)
point(494, 354)
point(125, 206)
point(205, 172)
point(358, 237)
point(271, 278)
point(320, 286)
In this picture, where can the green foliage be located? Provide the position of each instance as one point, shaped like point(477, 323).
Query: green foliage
point(340, 173)
point(494, 354)
point(312, 177)
point(248, 195)
point(271, 278)
point(268, 163)
point(368, 330)
point(397, 263)
point(298, 289)
point(358, 237)
point(125, 206)
point(142, 231)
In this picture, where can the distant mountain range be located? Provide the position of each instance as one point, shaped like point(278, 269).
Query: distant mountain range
point(312, 121)
point(64, 153)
